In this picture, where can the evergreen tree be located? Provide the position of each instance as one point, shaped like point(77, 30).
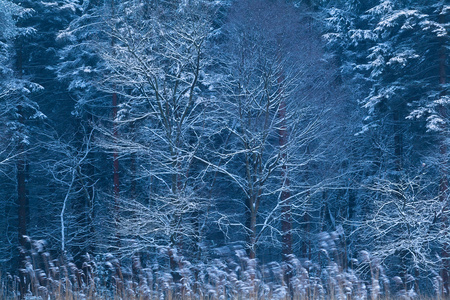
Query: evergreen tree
point(392, 50)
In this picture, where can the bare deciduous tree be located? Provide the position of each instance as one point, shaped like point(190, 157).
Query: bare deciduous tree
point(157, 65)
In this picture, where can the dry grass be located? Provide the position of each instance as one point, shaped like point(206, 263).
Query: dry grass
point(237, 278)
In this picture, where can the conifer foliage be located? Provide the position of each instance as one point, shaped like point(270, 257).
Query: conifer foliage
point(221, 149)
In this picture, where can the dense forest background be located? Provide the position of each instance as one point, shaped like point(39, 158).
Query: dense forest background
point(299, 147)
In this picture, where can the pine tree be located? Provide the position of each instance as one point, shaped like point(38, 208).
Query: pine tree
point(13, 87)
point(391, 48)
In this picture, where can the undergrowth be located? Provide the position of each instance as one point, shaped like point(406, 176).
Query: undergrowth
point(236, 277)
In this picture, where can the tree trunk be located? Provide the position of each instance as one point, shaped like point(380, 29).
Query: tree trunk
point(22, 199)
point(398, 141)
point(286, 219)
point(251, 227)
point(116, 182)
point(306, 219)
point(443, 185)
point(286, 215)
point(83, 204)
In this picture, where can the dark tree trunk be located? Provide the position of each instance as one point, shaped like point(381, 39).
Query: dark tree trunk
point(84, 206)
point(251, 227)
point(286, 218)
point(22, 199)
point(22, 203)
point(306, 219)
point(116, 181)
point(443, 185)
point(398, 141)
point(116, 178)
point(115, 154)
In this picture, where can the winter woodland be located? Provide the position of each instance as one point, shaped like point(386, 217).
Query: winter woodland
point(224, 149)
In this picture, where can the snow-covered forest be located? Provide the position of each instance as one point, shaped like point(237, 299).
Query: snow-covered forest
point(224, 149)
